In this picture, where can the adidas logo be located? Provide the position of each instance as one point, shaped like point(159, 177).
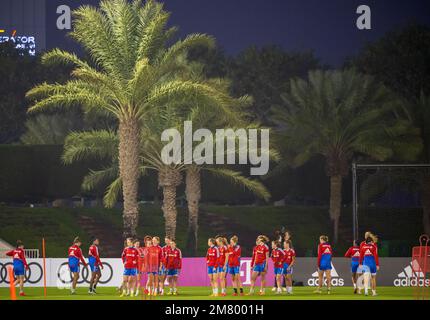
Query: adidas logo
point(336, 280)
point(411, 276)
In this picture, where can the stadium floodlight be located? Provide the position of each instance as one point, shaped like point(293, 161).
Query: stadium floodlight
point(410, 172)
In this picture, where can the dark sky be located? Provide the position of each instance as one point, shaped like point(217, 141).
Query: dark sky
point(326, 26)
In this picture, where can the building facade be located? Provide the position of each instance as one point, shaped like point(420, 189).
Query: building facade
point(23, 22)
point(39, 25)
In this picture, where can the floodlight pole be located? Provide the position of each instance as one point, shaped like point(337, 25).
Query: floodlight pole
point(354, 203)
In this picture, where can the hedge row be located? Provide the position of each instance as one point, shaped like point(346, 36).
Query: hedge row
point(36, 173)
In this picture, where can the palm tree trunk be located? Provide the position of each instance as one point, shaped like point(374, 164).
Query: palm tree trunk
point(335, 203)
point(193, 194)
point(169, 179)
point(426, 204)
point(129, 173)
point(169, 210)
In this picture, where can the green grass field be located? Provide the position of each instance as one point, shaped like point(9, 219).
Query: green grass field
point(202, 293)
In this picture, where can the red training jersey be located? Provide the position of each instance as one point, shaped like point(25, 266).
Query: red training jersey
point(289, 255)
point(94, 252)
point(212, 256)
point(164, 251)
point(234, 253)
point(140, 260)
point(159, 251)
point(259, 254)
point(173, 259)
point(369, 250)
point(353, 253)
point(152, 259)
point(278, 258)
point(130, 258)
point(75, 251)
point(221, 259)
point(324, 249)
point(18, 254)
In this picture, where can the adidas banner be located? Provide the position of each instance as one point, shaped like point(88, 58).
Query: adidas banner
point(399, 272)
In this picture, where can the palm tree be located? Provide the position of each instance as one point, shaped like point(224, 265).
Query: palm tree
point(210, 116)
point(193, 189)
point(193, 193)
point(172, 115)
point(129, 76)
point(102, 144)
point(169, 176)
point(340, 114)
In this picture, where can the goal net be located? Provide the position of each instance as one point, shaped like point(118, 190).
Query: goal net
point(389, 201)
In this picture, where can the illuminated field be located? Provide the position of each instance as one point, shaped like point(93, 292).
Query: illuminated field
point(202, 293)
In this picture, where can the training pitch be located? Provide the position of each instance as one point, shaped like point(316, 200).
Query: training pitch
point(202, 293)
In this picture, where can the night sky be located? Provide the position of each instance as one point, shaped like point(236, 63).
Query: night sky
point(326, 26)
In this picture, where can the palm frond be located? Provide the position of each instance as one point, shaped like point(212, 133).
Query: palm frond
point(73, 94)
point(98, 177)
point(152, 26)
point(112, 193)
point(93, 144)
point(58, 56)
point(236, 177)
point(93, 31)
point(183, 46)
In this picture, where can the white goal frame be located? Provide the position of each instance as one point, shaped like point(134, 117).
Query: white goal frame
point(358, 166)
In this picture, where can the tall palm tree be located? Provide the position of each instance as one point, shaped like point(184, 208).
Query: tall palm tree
point(130, 74)
point(102, 144)
point(193, 186)
point(169, 176)
point(212, 117)
point(193, 195)
point(340, 114)
point(173, 115)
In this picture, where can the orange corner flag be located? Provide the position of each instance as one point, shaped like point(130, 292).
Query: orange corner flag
point(12, 284)
point(44, 266)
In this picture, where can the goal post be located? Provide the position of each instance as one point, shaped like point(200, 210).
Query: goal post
point(380, 179)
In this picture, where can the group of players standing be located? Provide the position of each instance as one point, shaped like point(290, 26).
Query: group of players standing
point(364, 261)
point(156, 262)
point(223, 258)
point(151, 260)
